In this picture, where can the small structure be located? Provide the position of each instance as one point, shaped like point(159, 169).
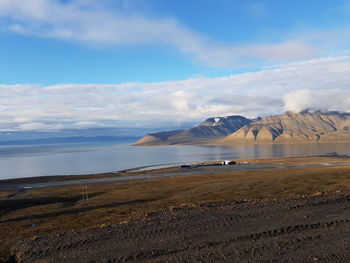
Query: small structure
point(228, 162)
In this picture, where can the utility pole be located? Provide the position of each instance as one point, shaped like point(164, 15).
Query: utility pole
point(84, 192)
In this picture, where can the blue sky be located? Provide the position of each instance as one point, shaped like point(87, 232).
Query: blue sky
point(89, 63)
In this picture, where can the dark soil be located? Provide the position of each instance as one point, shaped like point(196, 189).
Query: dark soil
point(309, 229)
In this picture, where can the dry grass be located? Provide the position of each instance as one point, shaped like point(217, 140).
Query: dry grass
point(25, 214)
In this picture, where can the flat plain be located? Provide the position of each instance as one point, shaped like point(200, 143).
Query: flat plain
point(290, 210)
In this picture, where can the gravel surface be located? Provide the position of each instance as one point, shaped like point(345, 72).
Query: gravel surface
point(309, 229)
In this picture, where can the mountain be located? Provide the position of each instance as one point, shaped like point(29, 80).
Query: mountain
point(211, 128)
point(288, 128)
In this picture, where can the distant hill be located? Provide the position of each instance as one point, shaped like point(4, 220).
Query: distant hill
point(289, 128)
point(211, 128)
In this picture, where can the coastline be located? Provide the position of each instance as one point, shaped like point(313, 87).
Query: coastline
point(152, 171)
point(63, 213)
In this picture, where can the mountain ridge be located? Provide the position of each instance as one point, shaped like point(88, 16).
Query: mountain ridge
point(211, 128)
point(290, 128)
point(287, 128)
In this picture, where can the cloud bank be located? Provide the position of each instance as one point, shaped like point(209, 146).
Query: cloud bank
point(320, 84)
point(322, 100)
point(94, 23)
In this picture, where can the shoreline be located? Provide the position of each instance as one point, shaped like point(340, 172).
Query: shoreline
point(231, 144)
point(147, 172)
point(95, 160)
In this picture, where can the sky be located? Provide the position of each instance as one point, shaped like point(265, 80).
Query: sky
point(153, 63)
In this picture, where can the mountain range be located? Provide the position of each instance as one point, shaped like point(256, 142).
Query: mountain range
point(287, 128)
point(211, 128)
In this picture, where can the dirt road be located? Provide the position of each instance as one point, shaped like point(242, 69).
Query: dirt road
point(180, 172)
point(309, 229)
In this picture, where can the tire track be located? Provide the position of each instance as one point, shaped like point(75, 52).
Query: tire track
point(219, 231)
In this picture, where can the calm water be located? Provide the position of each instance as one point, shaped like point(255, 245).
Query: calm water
point(73, 159)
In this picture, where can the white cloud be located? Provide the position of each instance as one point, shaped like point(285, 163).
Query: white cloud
point(324, 100)
point(39, 126)
point(93, 22)
point(320, 84)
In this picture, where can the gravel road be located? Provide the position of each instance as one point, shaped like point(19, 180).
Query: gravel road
point(183, 172)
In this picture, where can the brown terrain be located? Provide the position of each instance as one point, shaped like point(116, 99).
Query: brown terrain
point(288, 128)
point(291, 127)
point(285, 210)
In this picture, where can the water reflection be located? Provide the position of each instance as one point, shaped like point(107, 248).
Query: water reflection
point(26, 161)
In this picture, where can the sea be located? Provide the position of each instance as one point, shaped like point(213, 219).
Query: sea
point(18, 161)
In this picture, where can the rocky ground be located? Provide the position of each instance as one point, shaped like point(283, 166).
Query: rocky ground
point(309, 229)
